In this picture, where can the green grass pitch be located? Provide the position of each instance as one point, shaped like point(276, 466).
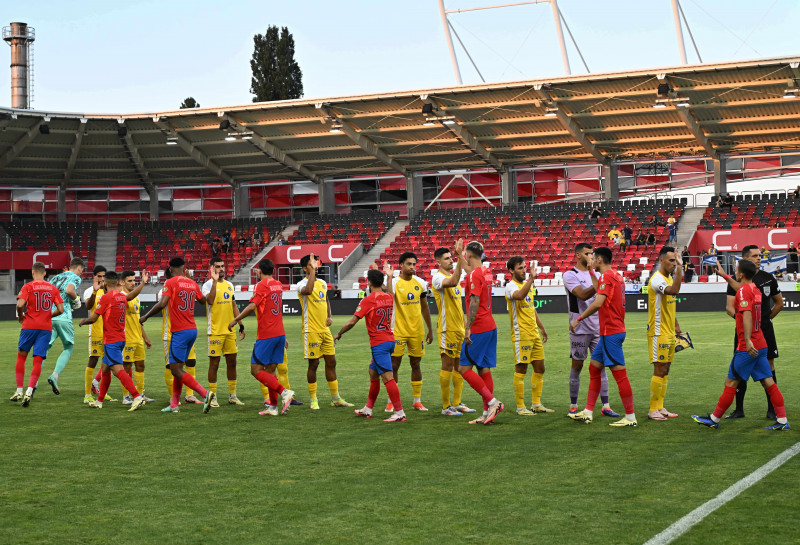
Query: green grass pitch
point(70, 474)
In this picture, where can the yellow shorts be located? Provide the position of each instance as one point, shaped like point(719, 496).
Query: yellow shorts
point(133, 352)
point(192, 354)
point(222, 345)
point(528, 350)
point(415, 346)
point(316, 345)
point(450, 343)
point(662, 348)
point(96, 347)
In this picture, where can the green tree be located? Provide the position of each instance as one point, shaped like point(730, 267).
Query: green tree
point(188, 103)
point(276, 75)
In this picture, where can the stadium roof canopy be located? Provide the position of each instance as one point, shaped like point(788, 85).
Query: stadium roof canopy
point(736, 107)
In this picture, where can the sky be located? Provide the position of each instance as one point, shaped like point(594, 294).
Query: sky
point(148, 55)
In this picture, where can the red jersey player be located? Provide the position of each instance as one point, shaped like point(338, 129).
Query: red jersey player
point(112, 308)
point(35, 304)
point(750, 357)
point(181, 293)
point(268, 351)
point(376, 308)
point(610, 305)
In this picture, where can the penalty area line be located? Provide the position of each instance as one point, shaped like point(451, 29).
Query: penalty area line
point(684, 524)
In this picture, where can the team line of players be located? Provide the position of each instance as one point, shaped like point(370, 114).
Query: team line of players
point(394, 313)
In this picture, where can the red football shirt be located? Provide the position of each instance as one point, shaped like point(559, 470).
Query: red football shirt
point(182, 293)
point(112, 307)
point(612, 313)
point(477, 285)
point(748, 298)
point(39, 303)
point(268, 299)
point(377, 308)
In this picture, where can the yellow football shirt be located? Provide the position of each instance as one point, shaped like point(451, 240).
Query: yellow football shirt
point(95, 329)
point(165, 333)
point(314, 307)
point(220, 313)
point(133, 329)
point(409, 295)
point(660, 307)
point(522, 313)
point(448, 301)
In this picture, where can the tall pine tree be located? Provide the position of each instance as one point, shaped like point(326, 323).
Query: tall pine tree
point(276, 75)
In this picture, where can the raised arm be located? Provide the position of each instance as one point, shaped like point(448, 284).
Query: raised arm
point(70, 291)
point(138, 289)
point(308, 289)
point(454, 279)
point(675, 288)
point(521, 293)
point(389, 272)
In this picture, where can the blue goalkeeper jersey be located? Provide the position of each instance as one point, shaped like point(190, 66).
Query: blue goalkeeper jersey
point(61, 281)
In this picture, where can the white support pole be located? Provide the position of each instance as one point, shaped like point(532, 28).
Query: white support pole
point(679, 31)
point(449, 36)
point(560, 32)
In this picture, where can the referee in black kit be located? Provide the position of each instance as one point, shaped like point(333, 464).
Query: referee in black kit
point(768, 286)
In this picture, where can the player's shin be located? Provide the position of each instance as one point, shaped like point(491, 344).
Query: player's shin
point(656, 387)
point(177, 386)
point(477, 384)
point(574, 386)
point(394, 395)
point(88, 372)
point(105, 383)
point(776, 398)
point(190, 382)
point(444, 385)
point(127, 382)
point(20, 370)
point(625, 391)
point(537, 383)
point(36, 371)
point(374, 390)
point(594, 388)
point(458, 387)
point(724, 402)
point(519, 389)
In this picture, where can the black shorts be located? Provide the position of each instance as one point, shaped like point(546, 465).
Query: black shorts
point(769, 336)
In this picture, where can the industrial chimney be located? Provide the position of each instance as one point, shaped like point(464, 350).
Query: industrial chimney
point(20, 37)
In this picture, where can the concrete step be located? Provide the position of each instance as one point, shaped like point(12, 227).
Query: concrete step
point(106, 254)
point(374, 253)
point(243, 276)
point(687, 225)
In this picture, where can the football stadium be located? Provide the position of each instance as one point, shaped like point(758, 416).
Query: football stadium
point(528, 257)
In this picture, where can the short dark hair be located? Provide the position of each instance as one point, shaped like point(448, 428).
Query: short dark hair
point(747, 268)
point(439, 252)
point(127, 274)
point(665, 250)
point(266, 266)
point(582, 246)
point(513, 262)
point(405, 256)
point(216, 259)
point(375, 278)
point(167, 273)
point(746, 249)
point(475, 248)
point(605, 253)
point(176, 262)
point(304, 261)
point(76, 261)
point(98, 269)
point(39, 267)
point(112, 277)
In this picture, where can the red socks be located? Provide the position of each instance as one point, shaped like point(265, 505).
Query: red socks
point(190, 382)
point(20, 369)
point(725, 400)
point(271, 382)
point(97, 377)
point(374, 390)
point(488, 380)
point(477, 384)
point(177, 386)
point(36, 371)
point(776, 397)
point(394, 394)
point(127, 382)
point(105, 382)
point(595, 384)
point(625, 391)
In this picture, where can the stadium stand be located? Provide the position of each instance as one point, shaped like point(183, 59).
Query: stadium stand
point(752, 211)
point(80, 238)
point(545, 234)
point(359, 227)
point(150, 245)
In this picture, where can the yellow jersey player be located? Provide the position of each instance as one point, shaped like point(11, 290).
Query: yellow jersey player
point(91, 297)
point(220, 311)
point(527, 335)
point(410, 309)
point(450, 326)
point(662, 326)
point(166, 337)
point(135, 338)
point(317, 339)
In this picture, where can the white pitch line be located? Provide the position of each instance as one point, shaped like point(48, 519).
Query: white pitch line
point(680, 527)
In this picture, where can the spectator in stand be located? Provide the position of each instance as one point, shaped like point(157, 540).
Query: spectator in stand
point(728, 200)
point(796, 193)
point(720, 201)
point(257, 238)
point(685, 253)
point(688, 269)
point(673, 232)
point(243, 241)
point(651, 239)
point(640, 239)
point(281, 240)
point(614, 233)
point(227, 245)
point(710, 267)
point(627, 234)
point(791, 259)
point(596, 212)
point(764, 254)
point(216, 247)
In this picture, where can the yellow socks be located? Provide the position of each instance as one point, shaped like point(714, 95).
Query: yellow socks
point(312, 390)
point(458, 387)
point(664, 381)
point(88, 375)
point(444, 385)
point(333, 386)
point(138, 380)
point(656, 393)
point(519, 390)
point(537, 382)
point(265, 391)
point(283, 374)
point(231, 387)
point(168, 378)
point(416, 390)
point(213, 387)
point(191, 371)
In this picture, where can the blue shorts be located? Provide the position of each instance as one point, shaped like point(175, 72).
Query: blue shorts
point(743, 366)
point(609, 350)
point(180, 344)
point(269, 351)
point(382, 357)
point(483, 350)
point(39, 339)
point(113, 353)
